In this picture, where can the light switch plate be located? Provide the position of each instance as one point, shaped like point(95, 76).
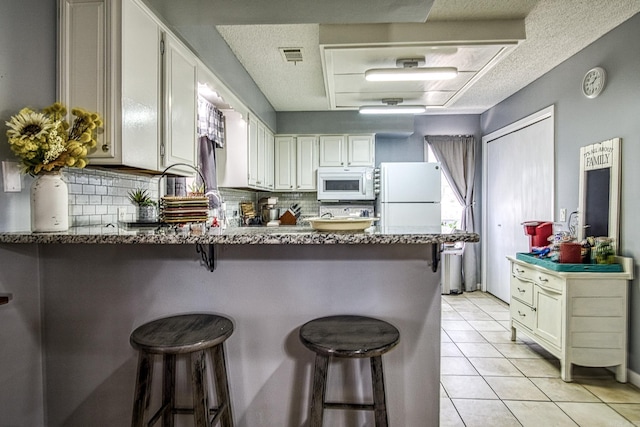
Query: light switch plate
point(11, 177)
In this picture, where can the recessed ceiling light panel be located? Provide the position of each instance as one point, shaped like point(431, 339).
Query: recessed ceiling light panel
point(410, 74)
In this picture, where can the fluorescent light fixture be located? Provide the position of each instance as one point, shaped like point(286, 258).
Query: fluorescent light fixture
point(391, 107)
point(410, 74)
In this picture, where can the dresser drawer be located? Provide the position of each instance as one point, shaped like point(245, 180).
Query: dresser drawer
point(522, 290)
point(548, 281)
point(522, 313)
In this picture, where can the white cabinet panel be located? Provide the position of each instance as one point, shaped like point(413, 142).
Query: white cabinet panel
point(285, 163)
point(181, 104)
point(361, 150)
point(332, 150)
point(307, 163)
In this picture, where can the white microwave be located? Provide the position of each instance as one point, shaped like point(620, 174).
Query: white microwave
point(351, 183)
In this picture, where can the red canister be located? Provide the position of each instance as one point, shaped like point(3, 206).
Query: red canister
point(570, 253)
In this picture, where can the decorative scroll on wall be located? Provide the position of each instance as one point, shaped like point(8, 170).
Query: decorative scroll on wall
point(599, 202)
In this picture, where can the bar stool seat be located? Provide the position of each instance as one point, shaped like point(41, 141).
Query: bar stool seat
point(347, 336)
point(188, 334)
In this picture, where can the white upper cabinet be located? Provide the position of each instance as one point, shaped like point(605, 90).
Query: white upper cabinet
point(333, 150)
point(296, 163)
point(285, 163)
point(181, 106)
point(361, 150)
point(247, 159)
point(306, 163)
point(111, 62)
point(347, 150)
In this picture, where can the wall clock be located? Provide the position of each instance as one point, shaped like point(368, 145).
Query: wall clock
point(593, 82)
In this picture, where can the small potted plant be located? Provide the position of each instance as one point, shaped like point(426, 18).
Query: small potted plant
point(145, 205)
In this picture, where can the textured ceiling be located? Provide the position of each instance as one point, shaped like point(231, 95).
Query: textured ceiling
point(555, 30)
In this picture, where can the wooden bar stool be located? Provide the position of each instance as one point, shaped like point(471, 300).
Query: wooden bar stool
point(348, 337)
point(192, 334)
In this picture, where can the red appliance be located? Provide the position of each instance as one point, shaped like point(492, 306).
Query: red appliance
point(538, 232)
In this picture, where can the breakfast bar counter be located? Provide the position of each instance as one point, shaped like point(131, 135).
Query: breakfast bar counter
point(78, 295)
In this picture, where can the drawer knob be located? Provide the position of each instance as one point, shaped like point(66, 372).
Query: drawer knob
point(521, 314)
point(519, 271)
point(542, 279)
point(522, 291)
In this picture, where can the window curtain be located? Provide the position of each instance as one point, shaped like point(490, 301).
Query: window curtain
point(211, 135)
point(457, 156)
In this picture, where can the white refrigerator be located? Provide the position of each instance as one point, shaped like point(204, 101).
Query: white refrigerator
point(409, 198)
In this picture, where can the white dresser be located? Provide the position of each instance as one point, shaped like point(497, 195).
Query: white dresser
point(579, 317)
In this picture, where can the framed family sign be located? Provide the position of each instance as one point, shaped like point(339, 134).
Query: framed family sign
point(599, 197)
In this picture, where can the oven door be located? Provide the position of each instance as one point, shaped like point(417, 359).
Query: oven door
point(341, 184)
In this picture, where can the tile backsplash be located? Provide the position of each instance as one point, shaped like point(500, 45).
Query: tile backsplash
point(95, 195)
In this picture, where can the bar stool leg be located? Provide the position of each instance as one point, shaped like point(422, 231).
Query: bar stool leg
point(199, 381)
point(168, 389)
point(142, 394)
point(379, 400)
point(222, 385)
point(319, 389)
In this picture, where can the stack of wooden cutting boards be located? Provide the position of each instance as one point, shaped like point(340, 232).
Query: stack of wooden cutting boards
point(176, 210)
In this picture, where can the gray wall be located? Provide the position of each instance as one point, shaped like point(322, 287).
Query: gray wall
point(581, 121)
point(27, 78)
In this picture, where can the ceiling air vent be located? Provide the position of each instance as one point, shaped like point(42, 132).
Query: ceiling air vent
point(291, 54)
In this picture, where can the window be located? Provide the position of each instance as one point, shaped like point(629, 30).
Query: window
point(450, 208)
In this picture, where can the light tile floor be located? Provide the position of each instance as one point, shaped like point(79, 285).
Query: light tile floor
point(489, 380)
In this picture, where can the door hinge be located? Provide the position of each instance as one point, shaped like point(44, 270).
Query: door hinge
point(161, 150)
point(162, 46)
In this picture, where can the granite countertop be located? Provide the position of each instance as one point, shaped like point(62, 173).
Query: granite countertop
point(287, 235)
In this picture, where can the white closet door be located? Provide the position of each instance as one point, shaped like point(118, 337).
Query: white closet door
point(519, 187)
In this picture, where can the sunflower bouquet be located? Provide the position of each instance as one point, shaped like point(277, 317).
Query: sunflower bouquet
point(46, 142)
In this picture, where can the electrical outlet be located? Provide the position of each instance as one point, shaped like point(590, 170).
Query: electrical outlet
point(11, 177)
point(122, 214)
point(563, 215)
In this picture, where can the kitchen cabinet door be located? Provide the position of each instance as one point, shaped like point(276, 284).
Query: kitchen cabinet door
point(141, 94)
point(360, 150)
point(262, 155)
point(307, 163)
point(548, 319)
point(332, 150)
point(269, 178)
point(179, 145)
point(285, 163)
point(253, 151)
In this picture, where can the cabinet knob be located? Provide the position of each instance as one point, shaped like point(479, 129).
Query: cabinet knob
point(542, 279)
point(521, 314)
point(519, 271)
point(291, 186)
point(522, 291)
point(105, 148)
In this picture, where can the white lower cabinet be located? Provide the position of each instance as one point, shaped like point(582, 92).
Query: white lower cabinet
point(296, 163)
point(581, 317)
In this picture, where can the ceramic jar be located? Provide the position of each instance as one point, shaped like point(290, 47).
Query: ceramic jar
point(49, 203)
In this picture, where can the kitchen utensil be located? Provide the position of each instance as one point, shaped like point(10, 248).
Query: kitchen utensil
point(269, 214)
point(340, 223)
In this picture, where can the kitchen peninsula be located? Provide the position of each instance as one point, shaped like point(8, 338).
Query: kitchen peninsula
point(96, 287)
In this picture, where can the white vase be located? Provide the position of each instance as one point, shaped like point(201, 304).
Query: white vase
point(49, 203)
